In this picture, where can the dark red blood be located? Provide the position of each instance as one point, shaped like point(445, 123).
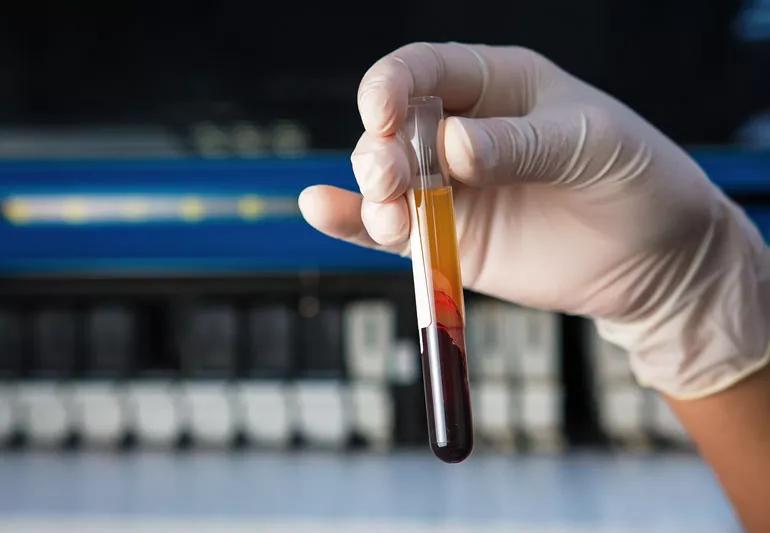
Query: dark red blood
point(454, 395)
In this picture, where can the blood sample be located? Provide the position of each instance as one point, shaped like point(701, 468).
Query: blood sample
point(438, 285)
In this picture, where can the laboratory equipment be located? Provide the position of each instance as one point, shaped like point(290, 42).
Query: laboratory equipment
point(438, 286)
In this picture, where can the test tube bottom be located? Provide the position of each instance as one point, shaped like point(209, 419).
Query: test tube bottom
point(448, 404)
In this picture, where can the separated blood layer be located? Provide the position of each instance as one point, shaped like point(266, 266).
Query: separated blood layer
point(445, 374)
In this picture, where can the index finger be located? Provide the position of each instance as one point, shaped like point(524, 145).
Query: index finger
point(452, 71)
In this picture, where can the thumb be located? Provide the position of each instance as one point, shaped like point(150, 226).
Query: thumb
point(503, 150)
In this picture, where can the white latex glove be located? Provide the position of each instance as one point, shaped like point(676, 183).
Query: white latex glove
point(567, 200)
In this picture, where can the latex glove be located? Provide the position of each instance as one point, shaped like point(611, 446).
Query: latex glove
point(567, 200)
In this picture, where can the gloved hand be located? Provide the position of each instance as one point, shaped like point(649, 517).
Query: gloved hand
point(567, 200)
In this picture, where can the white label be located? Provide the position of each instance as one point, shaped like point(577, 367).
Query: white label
point(157, 420)
point(541, 407)
point(493, 335)
point(372, 412)
point(404, 363)
point(494, 401)
point(622, 410)
point(211, 416)
point(369, 336)
point(101, 416)
point(540, 355)
point(266, 417)
point(45, 414)
point(322, 417)
point(421, 265)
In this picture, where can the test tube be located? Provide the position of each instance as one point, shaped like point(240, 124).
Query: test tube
point(437, 285)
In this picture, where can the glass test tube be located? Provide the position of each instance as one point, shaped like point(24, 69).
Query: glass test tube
point(437, 285)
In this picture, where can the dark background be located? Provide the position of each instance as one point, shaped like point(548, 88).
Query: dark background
point(680, 64)
point(187, 303)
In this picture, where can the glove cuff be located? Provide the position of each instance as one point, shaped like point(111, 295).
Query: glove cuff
point(715, 329)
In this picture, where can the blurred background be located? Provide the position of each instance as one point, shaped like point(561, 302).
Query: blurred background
point(180, 352)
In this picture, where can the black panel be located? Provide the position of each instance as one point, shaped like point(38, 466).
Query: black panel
point(174, 63)
point(207, 341)
point(271, 336)
point(321, 338)
point(10, 343)
point(54, 338)
point(110, 341)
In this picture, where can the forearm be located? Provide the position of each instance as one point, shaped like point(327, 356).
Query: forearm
point(732, 431)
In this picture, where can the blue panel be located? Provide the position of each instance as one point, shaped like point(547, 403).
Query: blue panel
point(761, 217)
point(736, 171)
point(201, 242)
point(215, 245)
